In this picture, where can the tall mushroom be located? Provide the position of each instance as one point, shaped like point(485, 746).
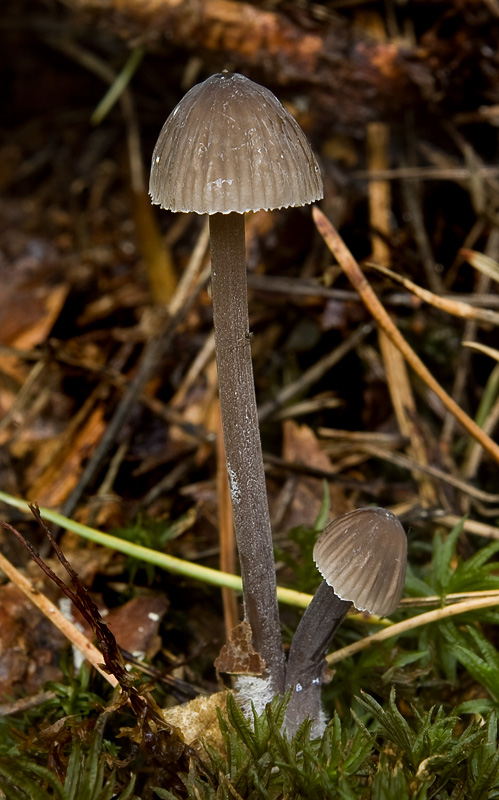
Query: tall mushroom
point(230, 147)
point(362, 557)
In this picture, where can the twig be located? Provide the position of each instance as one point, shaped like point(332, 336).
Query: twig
point(202, 359)
point(469, 526)
point(23, 394)
point(411, 624)
point(411, 196)
point(482, 262)
point(25, 703)
point(454, 597)
point(226, 530)
point(80, 598)
point(357, 278)
point(455, 307)
point(487, 417)
point(139, 697)
point(314, 373)
point(151, 358)
point(470, 331)
point(86, 648)
point(397, 377)
point(375, 488)
point(426, 173)
point(162, 560)
point(404, 461)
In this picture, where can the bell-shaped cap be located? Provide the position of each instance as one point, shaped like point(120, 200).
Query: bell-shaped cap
point(229, 145)
point(363, 557)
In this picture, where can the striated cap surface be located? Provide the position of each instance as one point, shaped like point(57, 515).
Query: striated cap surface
point(363, 557)
point(229, 145)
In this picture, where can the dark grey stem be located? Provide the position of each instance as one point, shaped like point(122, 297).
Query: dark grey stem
point(243, 448)
point(306, 662)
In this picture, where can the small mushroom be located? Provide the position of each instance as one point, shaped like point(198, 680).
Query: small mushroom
point(230, 147)
point(362, 557)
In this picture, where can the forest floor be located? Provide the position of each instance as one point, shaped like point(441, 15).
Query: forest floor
point(109, 412)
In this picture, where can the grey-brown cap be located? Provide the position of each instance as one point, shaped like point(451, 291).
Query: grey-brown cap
point(229, 145)
point(363, 557)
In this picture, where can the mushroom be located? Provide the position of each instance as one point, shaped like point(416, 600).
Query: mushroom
point(362, 557)
point(230, 147)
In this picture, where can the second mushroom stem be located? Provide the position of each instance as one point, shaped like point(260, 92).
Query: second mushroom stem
point(242, 440)
point(306, 663)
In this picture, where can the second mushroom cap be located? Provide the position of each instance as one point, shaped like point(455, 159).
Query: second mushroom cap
point(363, 557)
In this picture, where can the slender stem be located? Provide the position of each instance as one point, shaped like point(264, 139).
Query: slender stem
point(243, 449)
point(307, 655)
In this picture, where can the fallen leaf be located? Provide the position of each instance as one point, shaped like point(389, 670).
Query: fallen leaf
point(238, 656)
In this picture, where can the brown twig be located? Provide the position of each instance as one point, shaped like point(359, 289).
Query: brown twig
point(226, 531)
point(410, 624)
point(397, 377)
point(455, 307)
point(357, 278)
point(78, 639)
point(482, 286)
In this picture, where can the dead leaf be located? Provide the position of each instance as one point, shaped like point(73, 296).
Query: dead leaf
point(238, 656)
point(301, 446)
